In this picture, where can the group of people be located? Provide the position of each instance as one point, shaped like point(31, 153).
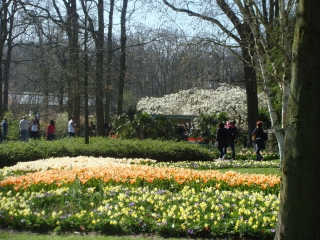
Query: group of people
point(225, 137)
point(227, 134)
point(32, 129)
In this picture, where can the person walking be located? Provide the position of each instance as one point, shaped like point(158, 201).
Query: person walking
point(23, 127)
point(4, 126)
point(51, 129)
point(72, 128)
point(258, 143)
point(222, 139)
point(232, 134)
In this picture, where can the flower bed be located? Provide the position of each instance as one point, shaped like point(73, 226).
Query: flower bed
point(121, 195)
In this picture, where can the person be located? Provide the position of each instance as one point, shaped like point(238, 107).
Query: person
point(232, 134)
point(259, 141)
point(92, 129)
point(34, 129)
point(4, 126)
point(51, 130)
point(222, 139)
point(23, 127)
point(72, 128)
point(38, 122)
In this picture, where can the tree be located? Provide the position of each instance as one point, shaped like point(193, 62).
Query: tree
point(109, 64)
point(98, 37)
point(299, 213)
point(270, 25)
point(71, 25)
point(123, 41)
point(245, 40)
point(4, 21)
point(7, 63)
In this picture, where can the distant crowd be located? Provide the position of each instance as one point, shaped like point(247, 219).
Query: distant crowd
point(225, 136)
point(31, 129)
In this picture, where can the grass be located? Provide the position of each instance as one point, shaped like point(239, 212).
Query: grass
point(35, 236)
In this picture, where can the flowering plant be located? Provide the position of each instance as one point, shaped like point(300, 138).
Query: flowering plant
point(223, 98)
point(123, 196)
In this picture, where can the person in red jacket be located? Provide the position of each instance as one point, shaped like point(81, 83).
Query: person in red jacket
point(51, 130)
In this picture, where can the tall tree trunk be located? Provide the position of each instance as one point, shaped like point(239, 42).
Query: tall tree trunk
point(251, 92)
point(3, 37)
point(99, 70)
point(74, 84)
point(7, 63)
point(86, 77)
point(109, 64)
point(123, 41)
point(61, 88)
point(299, 213)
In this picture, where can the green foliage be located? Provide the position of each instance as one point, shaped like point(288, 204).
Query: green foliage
point(207, 126)
point(13, 126)
point(61, 123)
point(264, 116)
point(141, 125)
point(13, 152)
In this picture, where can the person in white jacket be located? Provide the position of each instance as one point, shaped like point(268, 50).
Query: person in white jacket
point(71, 128)
point(23, 127)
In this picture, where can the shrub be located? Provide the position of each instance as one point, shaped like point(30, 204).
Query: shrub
point(13, 152)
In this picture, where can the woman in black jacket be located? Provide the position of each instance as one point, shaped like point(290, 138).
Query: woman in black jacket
point(222, 139)
point(259, 141)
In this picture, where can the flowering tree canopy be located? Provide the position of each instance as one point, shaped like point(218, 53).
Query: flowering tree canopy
point(223, 98)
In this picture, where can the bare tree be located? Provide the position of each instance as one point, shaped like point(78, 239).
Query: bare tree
point(4, 21)
point(71, 26)
point(271, 28)
point(123, 41)
point(7, 63)
point(109, 63)
point(245, 40)
point(98, 37)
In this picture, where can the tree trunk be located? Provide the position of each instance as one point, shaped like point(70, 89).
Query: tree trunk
point(251, 92)
point(122, 73)
point(109, 64)
point(99, 71)
point(3, 38)
point(74, 83)
point(86, 78)
point(299, 213)
point(8, 59)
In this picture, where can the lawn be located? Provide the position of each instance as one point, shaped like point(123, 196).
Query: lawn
point(73, 236)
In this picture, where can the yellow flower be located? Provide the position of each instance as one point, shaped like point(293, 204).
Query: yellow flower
point(113, 222)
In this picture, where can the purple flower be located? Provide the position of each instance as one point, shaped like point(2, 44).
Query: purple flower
point(190, 231)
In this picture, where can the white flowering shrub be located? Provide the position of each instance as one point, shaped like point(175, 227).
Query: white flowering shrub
point(223, 98)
